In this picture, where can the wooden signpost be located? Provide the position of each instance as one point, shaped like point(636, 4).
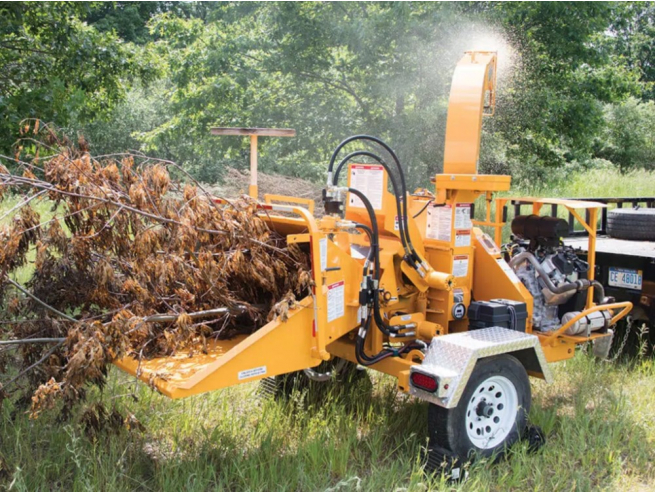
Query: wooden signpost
point(254, 133)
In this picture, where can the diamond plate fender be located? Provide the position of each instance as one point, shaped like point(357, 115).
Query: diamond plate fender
point(451, 359)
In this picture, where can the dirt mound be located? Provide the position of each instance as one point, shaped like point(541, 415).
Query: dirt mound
point(236, 184)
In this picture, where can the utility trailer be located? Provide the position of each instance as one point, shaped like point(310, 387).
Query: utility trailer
point(409, 285)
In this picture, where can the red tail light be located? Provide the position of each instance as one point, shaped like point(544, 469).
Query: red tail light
point(424, 382)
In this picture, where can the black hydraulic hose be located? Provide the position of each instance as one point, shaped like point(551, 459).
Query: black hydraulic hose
point(375, 233)
point(384, 328)
point(366, 360)
point(402, 224)
point(360, 353)
point(365, 153)
point(369, 233)
point(422, 210)
point(404, 235)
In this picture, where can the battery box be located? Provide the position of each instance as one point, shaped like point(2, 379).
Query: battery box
point(497, 312)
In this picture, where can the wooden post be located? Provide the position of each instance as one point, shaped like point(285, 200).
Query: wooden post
point(252, 189)
point(254, 133)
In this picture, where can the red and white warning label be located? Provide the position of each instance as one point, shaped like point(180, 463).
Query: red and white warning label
point(369, 179)
point(335, 300)
point(463, 238)
point(439, 222)
point(462, 216)
point(460, 265)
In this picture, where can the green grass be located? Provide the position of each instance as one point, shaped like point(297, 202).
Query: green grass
point(600, 183)
point(598, 418)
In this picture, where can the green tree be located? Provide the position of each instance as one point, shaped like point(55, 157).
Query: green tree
point(554, 110)
point(628, 139)
point(55, 65)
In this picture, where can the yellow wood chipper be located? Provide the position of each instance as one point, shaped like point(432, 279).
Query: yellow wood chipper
point(407, 283)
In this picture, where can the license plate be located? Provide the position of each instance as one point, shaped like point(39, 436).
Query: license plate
point(628, 279)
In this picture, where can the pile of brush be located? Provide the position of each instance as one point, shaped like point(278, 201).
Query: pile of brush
point(101, 258)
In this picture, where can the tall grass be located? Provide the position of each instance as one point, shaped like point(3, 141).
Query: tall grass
point(597, 418)
point(605, 182)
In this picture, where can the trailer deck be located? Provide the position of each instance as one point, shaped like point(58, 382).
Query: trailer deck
point(610, 245)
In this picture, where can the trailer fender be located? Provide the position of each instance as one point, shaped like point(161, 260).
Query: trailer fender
point(450, 360)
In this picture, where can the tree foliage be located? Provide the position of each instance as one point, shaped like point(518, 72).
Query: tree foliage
point(328, 70)
point(55, 66)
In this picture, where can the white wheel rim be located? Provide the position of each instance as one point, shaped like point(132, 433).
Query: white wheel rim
point(491, 412)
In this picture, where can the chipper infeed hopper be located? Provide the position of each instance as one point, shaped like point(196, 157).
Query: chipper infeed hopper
point(410, 285)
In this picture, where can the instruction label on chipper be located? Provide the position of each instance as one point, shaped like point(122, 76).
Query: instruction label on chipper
point(369, 179)
point(251, 373)
point(463, 216)
point(439, 222)
point(335, 300)
point(460, 265)
point(462, 238)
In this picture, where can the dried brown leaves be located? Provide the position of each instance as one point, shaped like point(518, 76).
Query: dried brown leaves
point(119, 246)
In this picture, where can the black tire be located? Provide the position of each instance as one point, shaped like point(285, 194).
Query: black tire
point(632, 223)
point(447, 427)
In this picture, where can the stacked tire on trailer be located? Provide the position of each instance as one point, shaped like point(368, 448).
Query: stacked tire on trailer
point(632, 223)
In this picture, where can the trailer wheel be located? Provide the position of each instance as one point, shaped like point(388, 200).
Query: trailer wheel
point(632, 223)
point(491, 414)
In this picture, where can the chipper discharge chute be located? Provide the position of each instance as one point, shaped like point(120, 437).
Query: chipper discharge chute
point(410, 285)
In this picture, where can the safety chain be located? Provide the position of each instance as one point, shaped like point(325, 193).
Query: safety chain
point(628, 329)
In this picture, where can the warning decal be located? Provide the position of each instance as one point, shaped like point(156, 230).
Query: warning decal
point(335, 300)
point(439, 223)
point(462, 216)
point(463, 238)
point(369, 179)
point(508, 270)
point(460, 266)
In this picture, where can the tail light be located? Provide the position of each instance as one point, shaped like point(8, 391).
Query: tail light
point(424, 382)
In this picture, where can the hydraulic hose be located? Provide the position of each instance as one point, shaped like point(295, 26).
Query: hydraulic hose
point(370, 258)
point(404, 234)
point(402, 210)
point(366, 360)
point(384, 328)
